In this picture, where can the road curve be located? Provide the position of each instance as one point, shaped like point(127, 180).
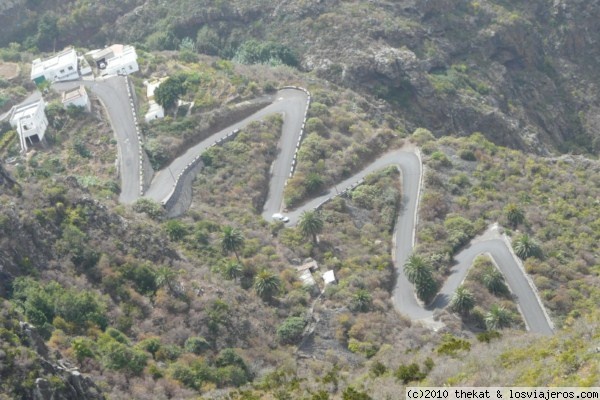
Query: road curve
point(289, 102)
point(112, 92)
point(292, 104)
point(530, 305)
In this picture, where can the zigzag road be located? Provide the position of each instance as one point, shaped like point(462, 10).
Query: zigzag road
point(293, 104)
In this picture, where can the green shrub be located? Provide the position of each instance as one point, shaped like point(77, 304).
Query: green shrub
point(409, 373)
point(150, 207)
point(365, 348)
point(196, 345)
point(290, 331)
point(254, 52)
point(452, 345)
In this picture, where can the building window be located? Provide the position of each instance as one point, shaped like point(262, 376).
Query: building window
point(62, 71)
point(70, 68)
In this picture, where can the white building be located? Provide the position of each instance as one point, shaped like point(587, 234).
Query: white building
point(329, 277)
point(116, 59)
point(77, 97)
point(305, 273)
point(155, 111)
point(61, 67)
point(30, 122)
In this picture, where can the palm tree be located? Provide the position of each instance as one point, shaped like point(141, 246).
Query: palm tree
point(417, 269)
point(493, 280)
point(497, 318)
point(525, 246)
point(426, 289)
point(166, 276)
point(361, 301)
point(232, 240)
point(462, 301)
point(311, 224)
point(266, 284)
point(418, 272)
point(514, 214)
point(233, 270)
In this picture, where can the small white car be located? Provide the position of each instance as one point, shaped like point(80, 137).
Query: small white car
point(280, 217)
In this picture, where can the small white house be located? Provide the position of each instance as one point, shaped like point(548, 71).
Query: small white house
point(329, 277)
point(77, 97)
point(61, 67)
point(155, 111)
point(30, 122)
point(116, 59)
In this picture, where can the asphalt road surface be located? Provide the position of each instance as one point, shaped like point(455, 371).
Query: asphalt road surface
point(529, 304)
point(289, 102)
point(292, 104)
point(112, 92)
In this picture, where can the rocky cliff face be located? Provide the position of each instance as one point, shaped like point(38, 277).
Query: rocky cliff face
point(523, 76)
point(28, 370)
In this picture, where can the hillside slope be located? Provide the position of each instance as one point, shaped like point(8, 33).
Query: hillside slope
point(522, 73)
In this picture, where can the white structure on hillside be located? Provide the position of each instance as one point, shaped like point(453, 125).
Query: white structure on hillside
point(30, 122)
point(305, 273)
point(329, 277)
point(155, 111)
point(77, 97)
point(116, 59)
point(61, 67)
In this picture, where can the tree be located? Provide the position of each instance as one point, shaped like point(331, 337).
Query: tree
point(166, 276)
point(47, 33)
point(169, 91)
point(311, 224)
point(152, 345)
point(418, 272)
point(290, 331)
point(254, 52)
point(493, 280)
point(314, 182)
point(426, 289)
point(266, 284)
point(233, 270)
point(207, 41)
point(361, 301)
point(525, 247)
point(409, 373)
point(416, 269)
point(232, 240)
point(514, 214)
point(120, 357)
point(462, 301)
point(497, 317)
point(196, 345)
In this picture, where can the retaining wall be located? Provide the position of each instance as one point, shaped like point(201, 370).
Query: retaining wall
point(178, 187)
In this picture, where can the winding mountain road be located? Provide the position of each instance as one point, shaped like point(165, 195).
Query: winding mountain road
point(113, 95)
point(293, 104)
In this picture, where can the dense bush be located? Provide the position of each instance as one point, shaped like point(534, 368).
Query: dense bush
point(290, 330)
point(43, 303)
point(254, 52)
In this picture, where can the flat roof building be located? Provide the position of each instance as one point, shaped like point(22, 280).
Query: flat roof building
point(60, 67)
point(77, 97)
point(30, 122)
point(116, 59)
point(329, 277)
